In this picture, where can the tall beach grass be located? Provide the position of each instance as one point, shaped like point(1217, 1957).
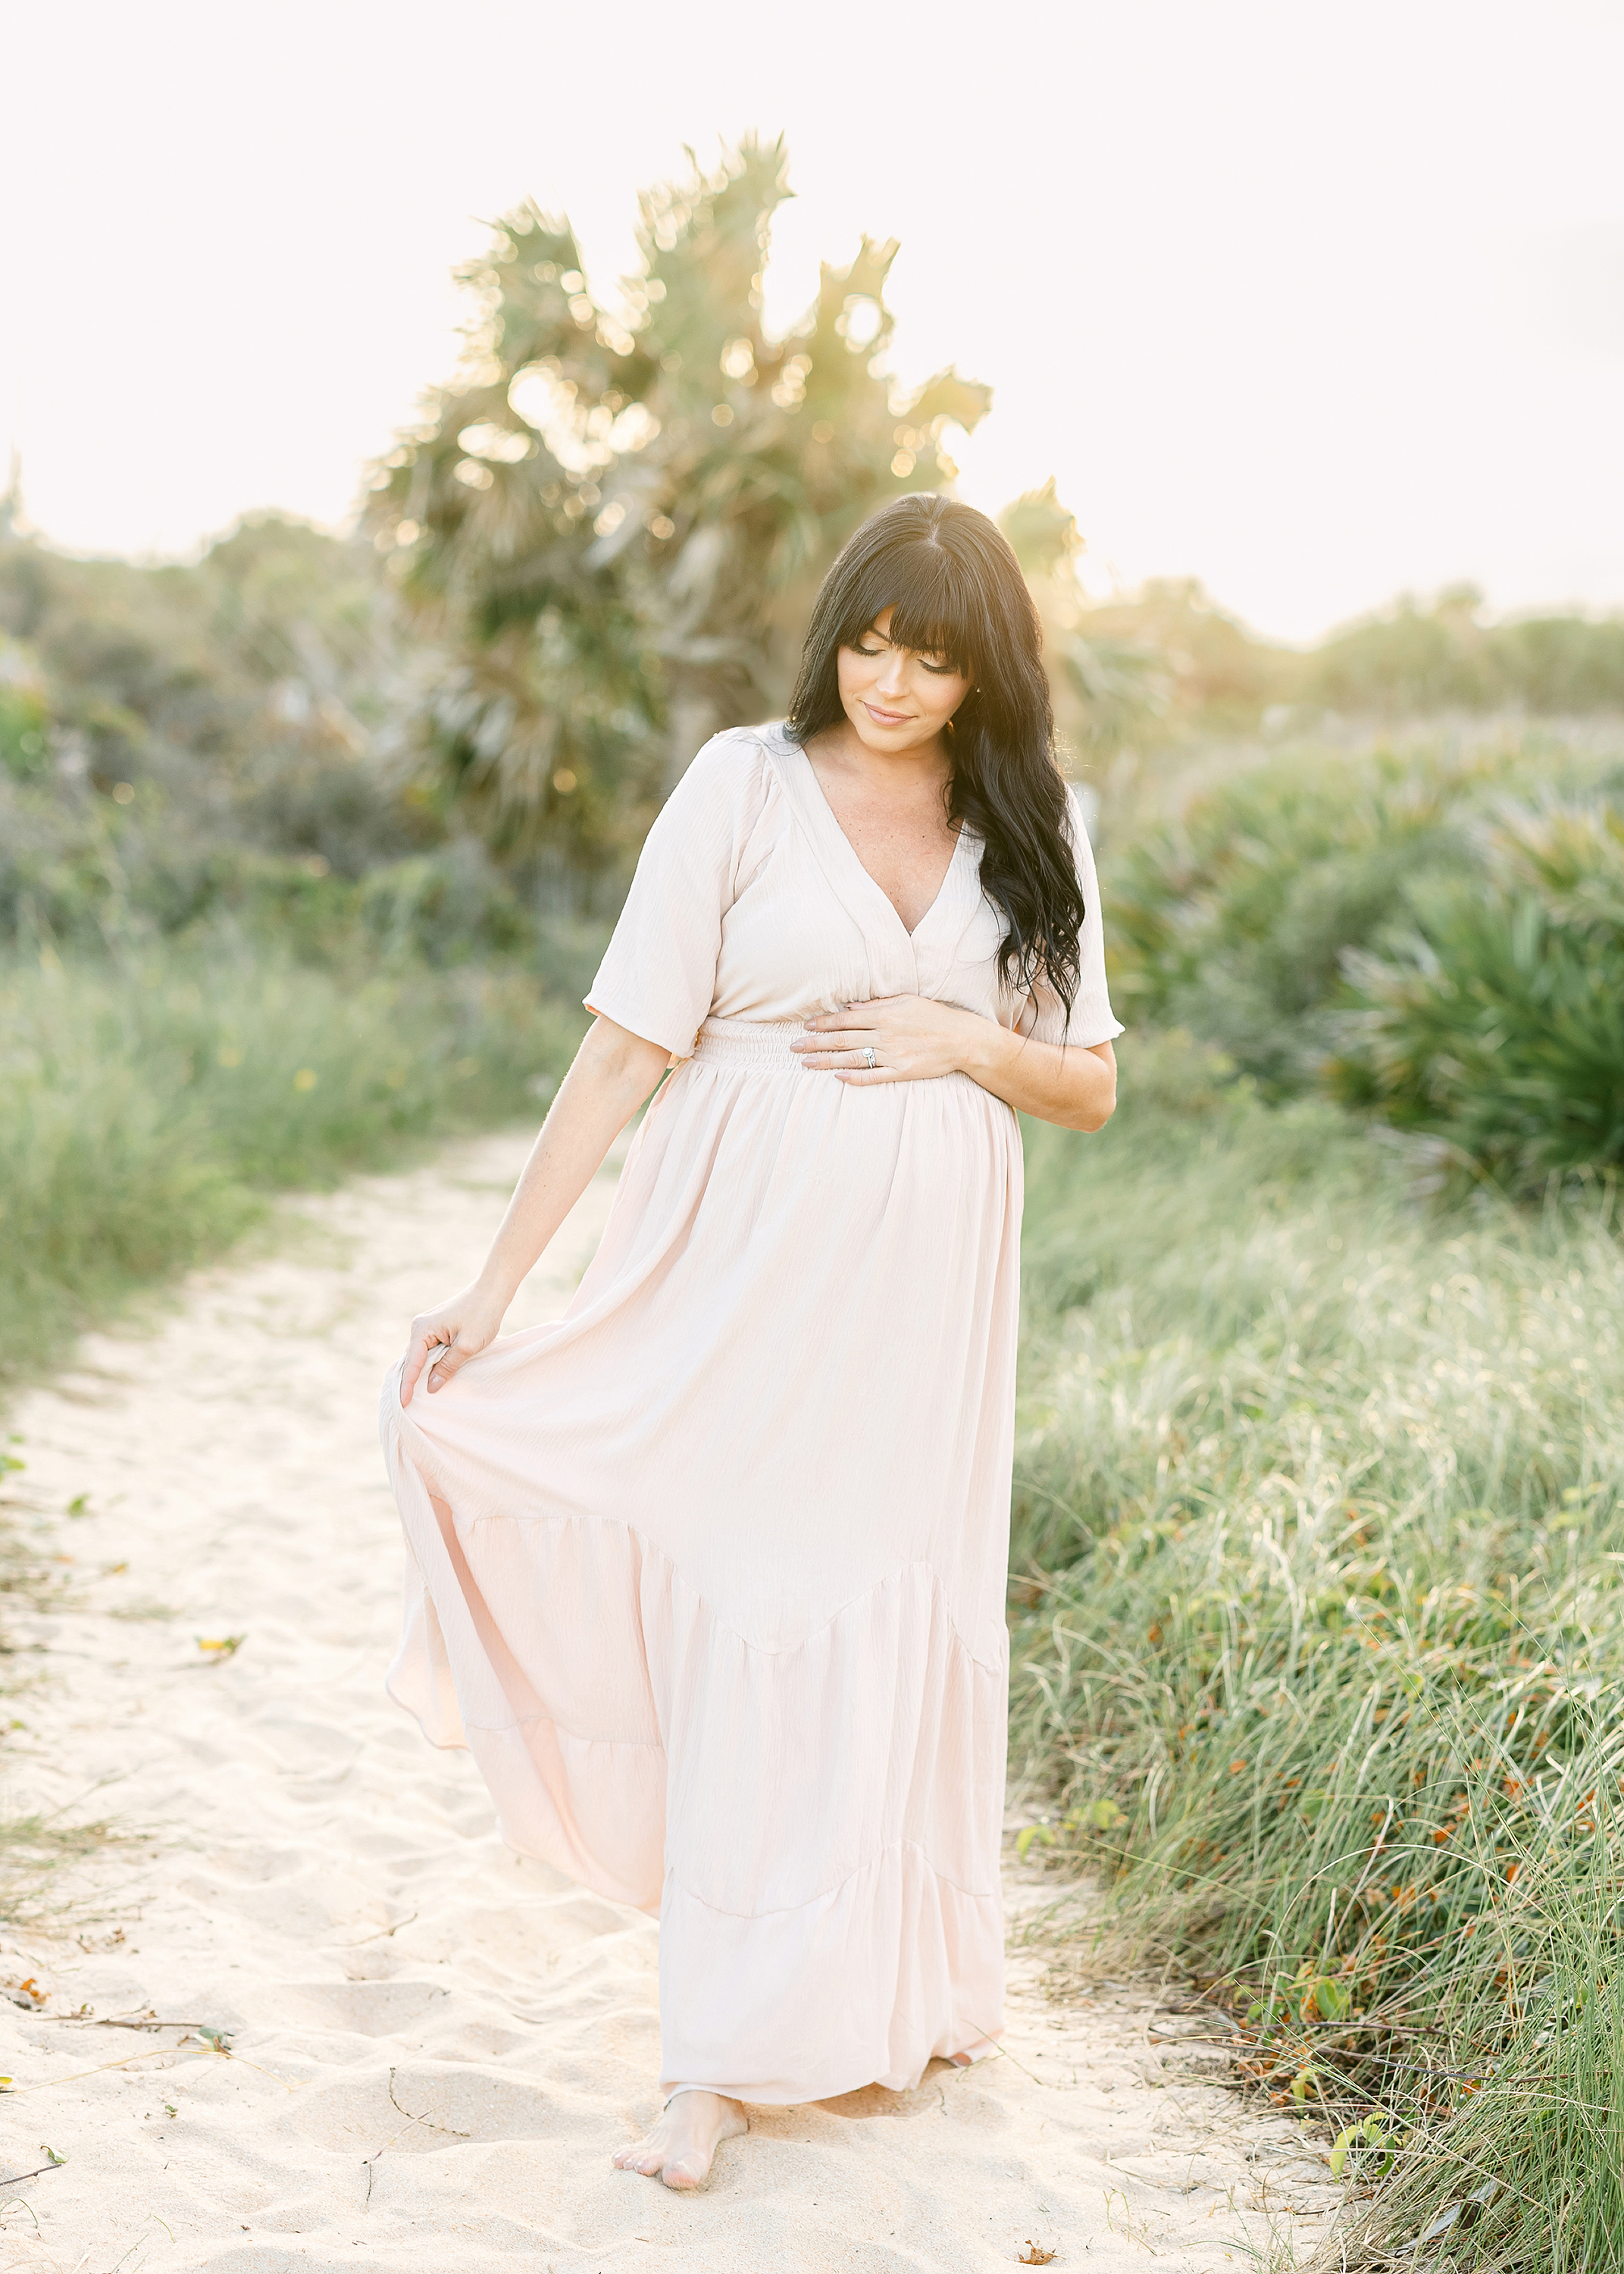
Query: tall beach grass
point(1319, 1636)
point(151, 1105)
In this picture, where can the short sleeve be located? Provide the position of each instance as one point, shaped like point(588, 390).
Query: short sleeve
point(658, 978)
point(1091, 1019)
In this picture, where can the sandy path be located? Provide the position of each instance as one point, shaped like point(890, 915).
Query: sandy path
point(433, 2046)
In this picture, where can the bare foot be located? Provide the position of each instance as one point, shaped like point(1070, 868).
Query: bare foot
point(685, 2138)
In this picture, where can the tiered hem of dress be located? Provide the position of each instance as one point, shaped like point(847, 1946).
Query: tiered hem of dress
point(854, 1957)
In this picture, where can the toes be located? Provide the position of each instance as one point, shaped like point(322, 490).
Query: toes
point(681, 2176)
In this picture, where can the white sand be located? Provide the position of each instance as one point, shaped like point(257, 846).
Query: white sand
point(435, 2048)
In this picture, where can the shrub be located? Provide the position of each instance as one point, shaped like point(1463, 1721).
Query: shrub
point(1235, 919)
point(1497, 1028)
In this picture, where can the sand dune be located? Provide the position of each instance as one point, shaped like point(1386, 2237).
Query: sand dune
point(425, 2050)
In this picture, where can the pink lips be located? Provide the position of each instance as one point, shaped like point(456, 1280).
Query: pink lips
point(886, 718)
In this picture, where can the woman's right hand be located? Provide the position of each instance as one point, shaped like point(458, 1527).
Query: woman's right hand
point(457, 1331)
point(613, 1073)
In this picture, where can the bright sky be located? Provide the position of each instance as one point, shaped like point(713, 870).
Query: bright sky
point(1317, 302)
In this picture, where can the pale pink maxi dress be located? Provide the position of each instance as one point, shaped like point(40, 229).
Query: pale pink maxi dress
point(710, 1574)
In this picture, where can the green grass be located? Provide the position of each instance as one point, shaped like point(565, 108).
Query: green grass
point(1319, 1654)
point(150, 1108)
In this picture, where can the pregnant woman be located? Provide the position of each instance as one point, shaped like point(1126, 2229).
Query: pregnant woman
point(709, 1574)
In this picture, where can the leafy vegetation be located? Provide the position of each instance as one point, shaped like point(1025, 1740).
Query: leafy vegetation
point(1496, 1026)
point(243, 955)
point(202, 745)
point(1434, 934)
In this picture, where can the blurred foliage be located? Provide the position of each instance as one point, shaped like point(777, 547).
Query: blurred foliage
point(243, 691)
point(1414, 660)
point(183, 749)
point(25, 715)
point(1110, 691)
point(1237, 917)
point(1212, 675)
point(614, 528)
point(1166, 665)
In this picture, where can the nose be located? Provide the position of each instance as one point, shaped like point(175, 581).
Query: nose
point(893, 677)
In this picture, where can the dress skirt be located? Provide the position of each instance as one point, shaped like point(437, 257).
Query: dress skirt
point(709, 1575)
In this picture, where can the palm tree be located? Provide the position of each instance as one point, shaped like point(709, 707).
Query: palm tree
point(611, 522)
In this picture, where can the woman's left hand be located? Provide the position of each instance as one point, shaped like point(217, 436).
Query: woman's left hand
point(914, 1038)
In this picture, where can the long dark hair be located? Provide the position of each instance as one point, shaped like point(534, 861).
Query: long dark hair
point(956, 590)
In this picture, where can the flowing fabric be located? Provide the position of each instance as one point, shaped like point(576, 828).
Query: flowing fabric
point(709, 1575)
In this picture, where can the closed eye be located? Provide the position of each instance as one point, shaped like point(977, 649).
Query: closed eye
point(941, 670)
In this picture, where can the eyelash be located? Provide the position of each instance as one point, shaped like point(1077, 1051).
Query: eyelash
point(941, 670)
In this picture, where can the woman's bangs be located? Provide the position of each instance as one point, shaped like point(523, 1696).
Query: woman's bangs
point(933, 612)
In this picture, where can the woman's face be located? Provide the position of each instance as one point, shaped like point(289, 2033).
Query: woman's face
point(894, 697)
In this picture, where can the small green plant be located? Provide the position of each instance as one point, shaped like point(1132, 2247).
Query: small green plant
point(1364, 2151)
point(1072, 1829)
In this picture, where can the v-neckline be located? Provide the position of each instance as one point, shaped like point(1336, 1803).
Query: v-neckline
point(855, 859)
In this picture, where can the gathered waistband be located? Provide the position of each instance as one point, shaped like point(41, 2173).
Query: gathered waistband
point(762, 1046)
point(748, 1042)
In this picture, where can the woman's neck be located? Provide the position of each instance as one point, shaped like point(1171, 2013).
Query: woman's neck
point(841, 749)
